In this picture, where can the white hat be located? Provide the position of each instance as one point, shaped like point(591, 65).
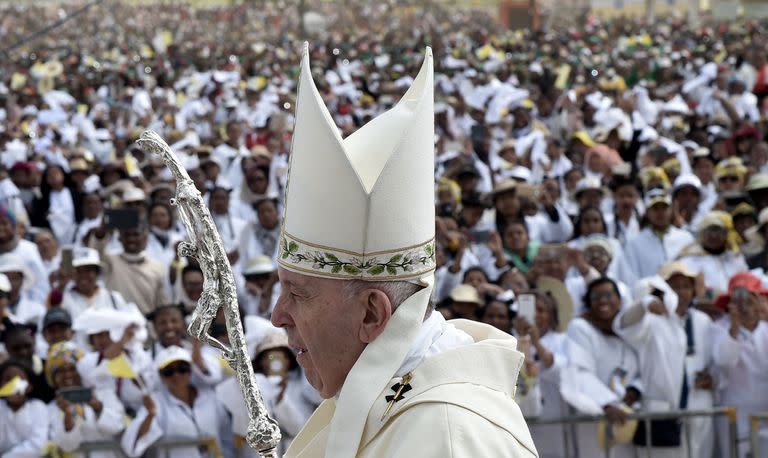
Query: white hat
point(599, 240)
point(259, 265)
point(656, 196)
point(588, 184)
point(11, 263)
point(134, 194)
point(86, 257)
point(5, 284)
point(256, 330)
point(171, 355)
point(95, 320)
point(686, 179)
point(385, 174)
point(519, 173)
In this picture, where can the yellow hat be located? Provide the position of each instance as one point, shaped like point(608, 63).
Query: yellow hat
point(584, 137)
point(722, 219)
point(733, 166)
point(650, 175)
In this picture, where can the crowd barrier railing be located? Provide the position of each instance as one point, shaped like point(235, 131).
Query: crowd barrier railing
point(162, 447)
point(755, 421)
point(644, 419)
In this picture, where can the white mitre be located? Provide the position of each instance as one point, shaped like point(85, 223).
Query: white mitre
point(361, 207)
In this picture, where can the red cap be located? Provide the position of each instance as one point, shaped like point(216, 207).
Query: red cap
point(745, 280)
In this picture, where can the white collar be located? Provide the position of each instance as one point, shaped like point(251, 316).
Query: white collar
point(435, 336)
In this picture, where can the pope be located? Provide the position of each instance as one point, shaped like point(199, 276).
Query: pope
point(356, 262)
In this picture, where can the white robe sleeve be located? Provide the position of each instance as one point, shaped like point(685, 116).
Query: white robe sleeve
point(580, 385)
point(215, 373)
point(725, 349)
point(288, 414)
point(110, 421)
point(559, 362)
point(69, 441)
point(135, 446)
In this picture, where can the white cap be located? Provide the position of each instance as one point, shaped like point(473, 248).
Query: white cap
point(134, 194)
point(259, 265)
point(385, 174)
point(686, 179)
point(171, 355)
point(86, 257)
point(519, 173)
point(655, 196)
point(5, 284)
point(589, 183)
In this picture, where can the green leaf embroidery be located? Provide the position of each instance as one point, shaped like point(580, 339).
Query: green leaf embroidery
point(391, 270)
point(293, 247)
point(396, 258)
point(284, 255)
point(376, 270)
point(428, 249)
point(350, 269)
point(336, 269)
point(331, 257)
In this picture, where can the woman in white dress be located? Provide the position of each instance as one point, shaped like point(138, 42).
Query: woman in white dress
point(602, 376)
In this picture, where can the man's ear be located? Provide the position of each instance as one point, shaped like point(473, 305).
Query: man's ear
point(378, 310)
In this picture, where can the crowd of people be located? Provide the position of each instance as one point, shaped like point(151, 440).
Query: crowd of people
point(601, 193)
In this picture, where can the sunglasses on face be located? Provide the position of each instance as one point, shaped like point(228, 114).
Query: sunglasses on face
point(179, 369)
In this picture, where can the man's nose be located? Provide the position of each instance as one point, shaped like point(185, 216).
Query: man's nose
point(280, 317)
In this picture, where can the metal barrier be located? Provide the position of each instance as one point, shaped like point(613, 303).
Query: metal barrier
point(646, 417)
point(165, 445)
point(754, 432)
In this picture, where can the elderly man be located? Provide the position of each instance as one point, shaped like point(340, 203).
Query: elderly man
point(356, 261)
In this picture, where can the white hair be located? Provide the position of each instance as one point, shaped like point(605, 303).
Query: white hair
point(397, 291)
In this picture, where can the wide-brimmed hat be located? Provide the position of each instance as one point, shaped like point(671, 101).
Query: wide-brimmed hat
point(557, 290)
point(671, 269)
point(10, 262)
point(467, 294)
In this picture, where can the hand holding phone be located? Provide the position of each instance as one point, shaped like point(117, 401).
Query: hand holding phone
point(527, 307)
point(121, 218)
point(76, 395)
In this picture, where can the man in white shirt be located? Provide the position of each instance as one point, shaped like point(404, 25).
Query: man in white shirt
point(659, 241)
